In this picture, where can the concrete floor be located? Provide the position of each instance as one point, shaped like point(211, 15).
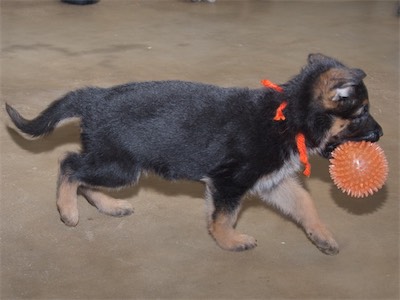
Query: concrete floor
point(164, 250)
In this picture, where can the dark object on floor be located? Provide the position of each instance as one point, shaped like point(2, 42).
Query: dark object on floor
point(80, 2)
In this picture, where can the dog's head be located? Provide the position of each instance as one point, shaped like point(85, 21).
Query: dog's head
point(339, 93)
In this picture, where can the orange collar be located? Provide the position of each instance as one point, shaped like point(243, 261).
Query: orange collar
point(300, 138)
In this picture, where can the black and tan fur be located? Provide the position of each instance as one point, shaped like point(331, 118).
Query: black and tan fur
point(224, 137)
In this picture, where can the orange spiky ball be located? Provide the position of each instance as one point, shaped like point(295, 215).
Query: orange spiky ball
point(359, 168)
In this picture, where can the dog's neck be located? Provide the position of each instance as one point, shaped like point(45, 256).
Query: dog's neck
point(300, 138)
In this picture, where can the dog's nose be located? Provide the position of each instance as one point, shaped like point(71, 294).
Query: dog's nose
point(380, 131)
point(373, 136)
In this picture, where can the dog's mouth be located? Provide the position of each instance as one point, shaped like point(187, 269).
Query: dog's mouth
point(371, 136)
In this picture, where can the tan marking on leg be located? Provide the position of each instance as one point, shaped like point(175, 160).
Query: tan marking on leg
point(67, 201)
point(227, 237)
point(292, 199)
point(316, 231)
point(222, 228)
point(107, 204)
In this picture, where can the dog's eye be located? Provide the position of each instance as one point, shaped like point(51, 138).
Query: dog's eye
point(362, 111)
point(360, 118)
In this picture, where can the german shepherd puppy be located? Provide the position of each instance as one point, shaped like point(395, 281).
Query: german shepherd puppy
point(224, 137)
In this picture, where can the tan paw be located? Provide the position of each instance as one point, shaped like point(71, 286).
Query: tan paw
point(119, 208)
point(237, 242)
point(324, 240)
point(69, 217)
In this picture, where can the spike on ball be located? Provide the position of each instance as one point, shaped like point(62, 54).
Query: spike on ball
point(359, 168)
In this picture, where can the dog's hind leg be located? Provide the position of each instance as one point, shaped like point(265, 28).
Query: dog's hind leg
point(106, 204)
point(292, 199)
point(222, 210)
point(67, 202)
point(80, 173)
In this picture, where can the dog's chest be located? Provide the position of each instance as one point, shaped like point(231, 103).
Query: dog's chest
point(268, 182)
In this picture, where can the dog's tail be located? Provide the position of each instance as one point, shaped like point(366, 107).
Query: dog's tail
point(66, 107)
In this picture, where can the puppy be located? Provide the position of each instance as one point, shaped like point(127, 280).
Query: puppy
point(224, 137)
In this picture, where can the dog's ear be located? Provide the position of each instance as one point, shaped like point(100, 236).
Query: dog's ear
point(346, 82)
point(317, 58)
point(339, 84)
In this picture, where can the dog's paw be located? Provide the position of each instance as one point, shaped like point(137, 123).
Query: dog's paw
point(120, 208)
point(69, 218)
point(238, 242)
point(324, 241)
point(244, 242)
point(328, 247)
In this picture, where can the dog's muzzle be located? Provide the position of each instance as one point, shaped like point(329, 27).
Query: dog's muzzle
point(370, 131)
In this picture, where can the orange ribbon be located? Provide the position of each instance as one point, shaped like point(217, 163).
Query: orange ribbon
point(300, 138)
point(272, 85)
point(279, 116)
point(302, 148)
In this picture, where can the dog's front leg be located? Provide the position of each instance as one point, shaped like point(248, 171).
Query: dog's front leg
point(222, 215)
point(292, 199)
